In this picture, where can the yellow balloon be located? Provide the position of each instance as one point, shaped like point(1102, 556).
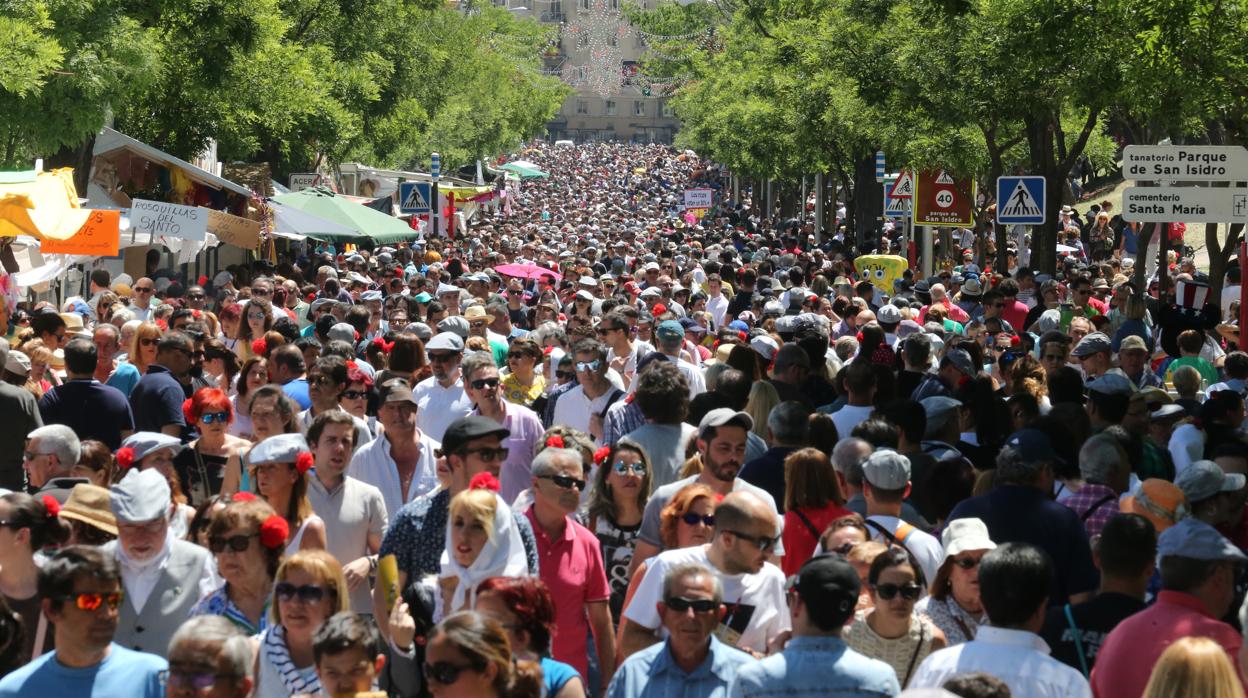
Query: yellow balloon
point(881, 269)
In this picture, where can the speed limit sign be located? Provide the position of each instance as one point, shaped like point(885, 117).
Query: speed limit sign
point(941, 200)
point(944, 199)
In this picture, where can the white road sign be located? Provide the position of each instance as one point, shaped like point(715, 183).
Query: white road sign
point(1185, 163)
point(1185, 204)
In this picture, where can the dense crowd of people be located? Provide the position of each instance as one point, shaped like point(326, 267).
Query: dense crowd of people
point(598, 445)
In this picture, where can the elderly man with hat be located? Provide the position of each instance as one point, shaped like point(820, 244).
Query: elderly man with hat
point(402, 460)
point(1198, 571)
point(441, 398)
point(816, 661)
point(21, 417)
point(1094, 353)
point(1020, 508)
point(417, 535)
point(669, 339)
point(1133, 358)
point(1214, 495)
point(163, 576)
point(1109, 398)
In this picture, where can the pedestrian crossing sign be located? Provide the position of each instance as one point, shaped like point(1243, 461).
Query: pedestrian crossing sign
point(1020, 200)
point(414, 197)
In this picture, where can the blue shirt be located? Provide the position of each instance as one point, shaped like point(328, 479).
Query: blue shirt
point(124, 673)
point(556, 675)
point(157, 400)
point(815, 666)
point(93, 410)
point(653, 673)
point(297, 390)
point(124, 378)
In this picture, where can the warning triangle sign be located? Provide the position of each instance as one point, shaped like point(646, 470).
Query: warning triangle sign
point(903, 188)
point(1021, 203)
point(415, 200)
point(944, 178)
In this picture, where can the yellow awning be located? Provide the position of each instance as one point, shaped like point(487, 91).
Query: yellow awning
point(40, 204)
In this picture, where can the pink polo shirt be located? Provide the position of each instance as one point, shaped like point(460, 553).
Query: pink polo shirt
point(573, 571)
point(1129, 653)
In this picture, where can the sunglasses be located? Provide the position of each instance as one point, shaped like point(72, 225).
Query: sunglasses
point(763, 543)
point(694, 519)
point(588, 365)
point(238, 544)
point(565, 482)
point(682, 605)
point(92, 602)
point(307, 593)
point(626, 468)
point(966, 563)
point(355, 394)
point(488, 454)
point(320, 380)
point(210, 417)
point(565, 375)
point(149, 341)
point(195, 680)
point(255, 316)
point(144, 289)
point(909, 591)
point(445, 673)
point(483, 383)
point(196, 296)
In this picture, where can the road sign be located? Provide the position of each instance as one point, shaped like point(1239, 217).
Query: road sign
point(903, 188)
point(941, 200)
point(1020, 200)
point(1186, 163)
point(879, 165)
point(435, 165)
point(697, 198)
point(301, 181)
point(896, 205)
point(1185, 204)
point(414, 197)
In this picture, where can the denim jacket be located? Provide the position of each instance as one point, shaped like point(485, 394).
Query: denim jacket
point(815, 666)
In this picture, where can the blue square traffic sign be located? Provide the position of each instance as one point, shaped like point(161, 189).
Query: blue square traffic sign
point(414, 197)
point(1021, 200)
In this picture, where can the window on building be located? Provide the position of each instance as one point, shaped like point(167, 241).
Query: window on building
point(582, 107)
point(639, 108)
point(610, 108)
point(665, 108)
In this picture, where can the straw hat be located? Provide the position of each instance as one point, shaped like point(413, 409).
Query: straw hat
point(89, 504)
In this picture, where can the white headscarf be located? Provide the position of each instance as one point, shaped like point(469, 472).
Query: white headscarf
point(502, 556)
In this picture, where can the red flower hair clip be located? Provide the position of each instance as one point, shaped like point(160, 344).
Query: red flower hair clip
point(51, 506)
point(273, 532)
point(555, 441)
point(311, 297)
point(351, 364)
point(188, 410)
point(162, 324)
point(381, 344)
point(258, 347)
point(859, 335)
point(743, 336)
point(602, 454)
point(304, 462)
point(485, 481)
point(243, 497)
point(125, 457)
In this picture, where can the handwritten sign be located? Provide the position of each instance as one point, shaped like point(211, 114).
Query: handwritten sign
point(233, 230)
point(697, 198)
point(157, 218)
point(98, 237)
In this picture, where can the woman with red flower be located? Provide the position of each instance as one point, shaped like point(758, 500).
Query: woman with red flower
point(202, 465)
point(30, 524)
point(280, 465)
point(257, 321)
point(621, 487)
point(247, 538)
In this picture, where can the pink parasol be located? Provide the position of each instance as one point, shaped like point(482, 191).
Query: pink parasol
point(526, 271)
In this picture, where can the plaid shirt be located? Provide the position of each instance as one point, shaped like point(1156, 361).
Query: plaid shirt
point(1089, 496)
point(622, 417)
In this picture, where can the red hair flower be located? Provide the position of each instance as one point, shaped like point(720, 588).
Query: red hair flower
point(602, 454)
point(351, 364)
point(357, 335)
point(555, 441)
point(304, 462)
point(52, 506)
point(273, 532)
point(258, 347)
point(859, 335)
point(188, 410)
point(162, 324)
point(484, 481)
point(1015, 340)
point(125, 457)
point(381, 344)
point(659, 309)
point(203, 280)
point(742, 335)
point(311, 297)
point(243, 497)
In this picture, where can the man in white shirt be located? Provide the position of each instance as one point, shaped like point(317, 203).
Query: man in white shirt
point(142, 301)
point(885, 485)
point(441, 397)
point(716, 301)
point(670, 336)
point(860, 383)
point(745, 532)
point(623, 352)
point(354, 512)
point(401, 462)
point(1014, 588)
point(583, 407)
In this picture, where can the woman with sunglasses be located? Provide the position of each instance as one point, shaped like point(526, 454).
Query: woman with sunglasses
point(523, 384)
point(29, 524)
point(257, 321)
point(523, 606)
point(310, 588)
point(280, 466)
point(141, 352)
point(202, 465)
point(150, 450)
point(354, 400)
point(621, 487)
point(246, 538)
point(953, 604)
point(469, 656)
point(812, 501)
point(891, 631)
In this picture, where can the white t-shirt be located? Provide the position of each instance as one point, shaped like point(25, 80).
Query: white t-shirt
point(755, 602)
point(923, 546)
point(849, 417)
point(574, 408)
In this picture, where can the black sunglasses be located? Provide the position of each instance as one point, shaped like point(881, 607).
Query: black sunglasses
point(238, 544)
point(567, 375)
point(483, 383)
point(307, 593)
point(565, 482)
point(681, 605)
point(446, 673)
point(488, 454)
point(764, 543)
point(355, 394)
point(909, 591)
point(694, 519)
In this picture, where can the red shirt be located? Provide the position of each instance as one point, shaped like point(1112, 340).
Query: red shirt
point(1127, 657)
point(1016, 314)
point(799, 541)
point(572, 569)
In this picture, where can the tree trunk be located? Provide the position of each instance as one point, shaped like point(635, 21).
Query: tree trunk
point(1220, 253)
point(78, 157)
point(1040, 148)
point(868, 199)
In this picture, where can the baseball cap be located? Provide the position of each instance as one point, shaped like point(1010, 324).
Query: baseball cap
point(722, 416)
point(669, 329)
point(828, 578)
point(886, 469)
point(1159, 501)
point(1204, 478)
point(1091, 344)
point(465, 429)
point(396, 390)
point(342, 331)
point(961, 360)
point(889, 315)
point(1112, 384)
point(765, 345)
point(1193, 538)
point(1034, 446)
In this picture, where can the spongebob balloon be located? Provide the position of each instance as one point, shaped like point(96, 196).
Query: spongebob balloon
point(882, 270)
